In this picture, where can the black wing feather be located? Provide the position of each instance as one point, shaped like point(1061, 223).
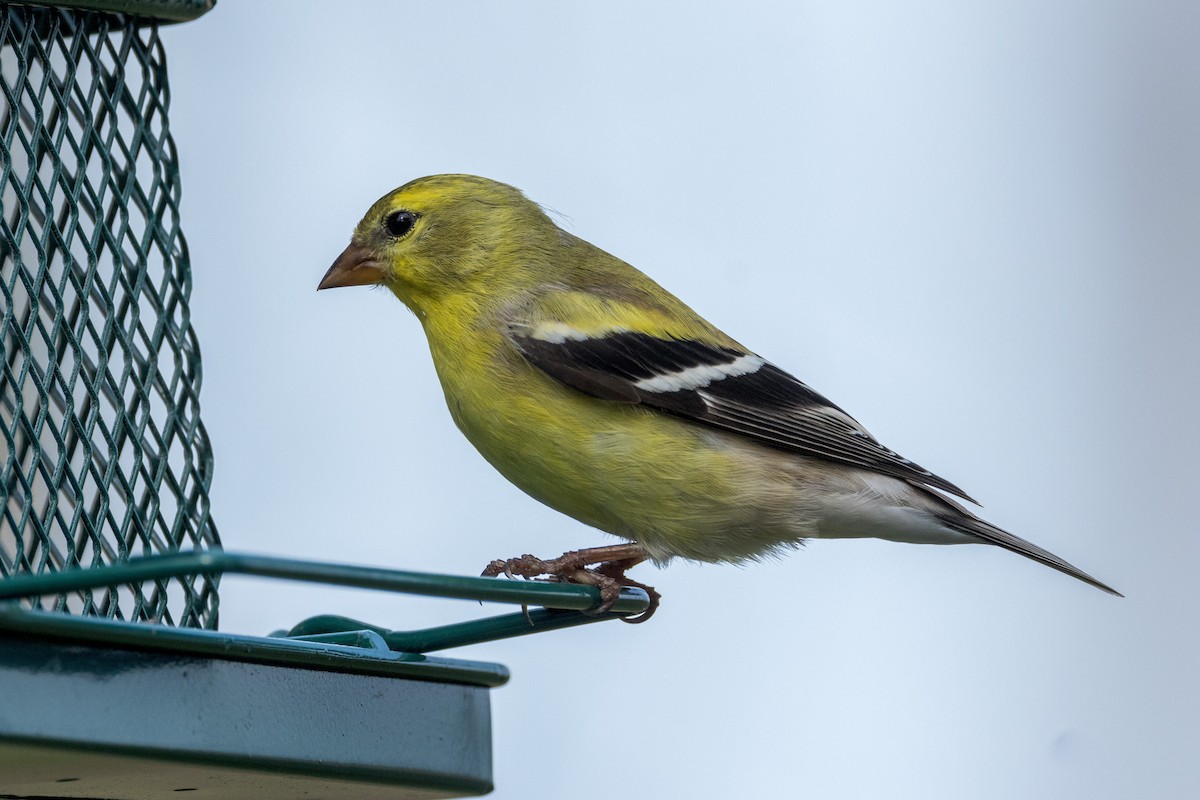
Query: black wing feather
point(766, 404)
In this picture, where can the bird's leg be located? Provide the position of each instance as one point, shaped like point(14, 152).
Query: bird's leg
point(528, 566)
point(571, 567)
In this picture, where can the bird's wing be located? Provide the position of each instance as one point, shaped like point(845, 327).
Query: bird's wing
point(697, 373)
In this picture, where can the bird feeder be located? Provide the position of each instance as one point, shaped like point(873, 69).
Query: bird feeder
point(115, 679)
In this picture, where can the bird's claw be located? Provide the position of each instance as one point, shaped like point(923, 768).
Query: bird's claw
point(616, 570)
point(608, 576)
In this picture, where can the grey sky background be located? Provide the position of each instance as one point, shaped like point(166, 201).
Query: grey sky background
point(975, 226)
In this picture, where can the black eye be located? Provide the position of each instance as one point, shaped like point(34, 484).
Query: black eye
point(399, 223)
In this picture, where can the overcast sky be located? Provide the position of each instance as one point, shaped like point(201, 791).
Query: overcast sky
point(975, 226)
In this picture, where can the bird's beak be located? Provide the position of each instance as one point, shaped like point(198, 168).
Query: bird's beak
point(354, 267)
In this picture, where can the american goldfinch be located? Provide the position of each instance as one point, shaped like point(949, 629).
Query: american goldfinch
point(602, 395)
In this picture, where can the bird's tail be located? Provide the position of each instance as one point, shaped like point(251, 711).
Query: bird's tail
point(968, 523)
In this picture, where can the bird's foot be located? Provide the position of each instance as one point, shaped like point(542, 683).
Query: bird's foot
point(572, 567)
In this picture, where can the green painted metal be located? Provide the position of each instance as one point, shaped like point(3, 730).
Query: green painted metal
point(236, 716)
point(160, 10)
point(208, 562)
point(102, 452)
point(356, 655)
point(332, 628)
point(102, 722)
point(564, 605)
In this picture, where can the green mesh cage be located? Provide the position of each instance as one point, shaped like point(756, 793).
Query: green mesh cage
point(103, 453)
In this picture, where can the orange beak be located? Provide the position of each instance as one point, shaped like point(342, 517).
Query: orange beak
point(354, 267)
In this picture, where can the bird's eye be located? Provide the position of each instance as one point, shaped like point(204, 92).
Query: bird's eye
point(399, 223)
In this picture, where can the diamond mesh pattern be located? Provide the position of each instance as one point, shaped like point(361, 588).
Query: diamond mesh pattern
point(103, 454)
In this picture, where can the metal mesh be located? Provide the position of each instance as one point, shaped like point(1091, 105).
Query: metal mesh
point(104, 456)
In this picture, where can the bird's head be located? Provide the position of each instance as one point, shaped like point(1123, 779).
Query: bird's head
point(440, 236)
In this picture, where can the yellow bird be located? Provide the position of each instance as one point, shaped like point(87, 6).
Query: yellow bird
point(604, 396)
